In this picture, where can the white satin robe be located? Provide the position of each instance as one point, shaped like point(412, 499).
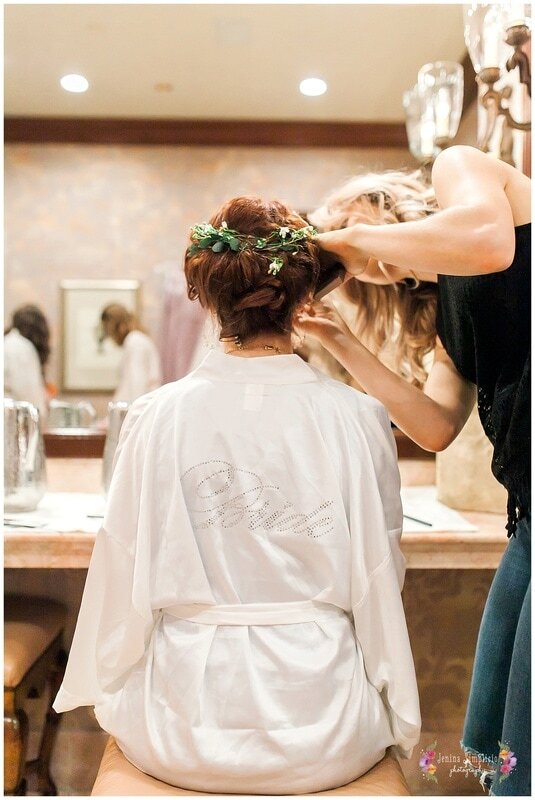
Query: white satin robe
point(263, 484)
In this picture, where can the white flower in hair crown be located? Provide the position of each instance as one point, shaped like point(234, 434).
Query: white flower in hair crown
point(283, 240)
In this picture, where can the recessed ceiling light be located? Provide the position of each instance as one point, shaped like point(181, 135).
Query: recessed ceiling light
point(74, 83)
point(313, 87)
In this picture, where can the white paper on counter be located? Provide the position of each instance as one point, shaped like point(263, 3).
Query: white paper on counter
point(421, 502)
point(62, 512)
point(65, 512)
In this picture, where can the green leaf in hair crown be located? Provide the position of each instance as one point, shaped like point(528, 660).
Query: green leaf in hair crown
point(206, 237)
point(219, 240)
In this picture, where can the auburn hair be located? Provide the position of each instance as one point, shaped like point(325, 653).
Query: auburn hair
point(237, 287)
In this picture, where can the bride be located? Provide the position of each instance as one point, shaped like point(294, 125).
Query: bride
point(242, 629)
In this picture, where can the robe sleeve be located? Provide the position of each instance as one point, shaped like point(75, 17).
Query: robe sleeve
point(115, 619)
point(377, 580)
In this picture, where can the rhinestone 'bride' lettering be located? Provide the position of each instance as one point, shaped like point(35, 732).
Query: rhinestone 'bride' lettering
point(220, 494)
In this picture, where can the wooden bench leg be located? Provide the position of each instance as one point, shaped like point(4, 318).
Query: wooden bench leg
point(41, 765)
point(15, 746)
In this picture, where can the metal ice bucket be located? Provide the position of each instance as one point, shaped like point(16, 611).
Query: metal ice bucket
point(63, 414)
point(24, 456)
point(116, 413)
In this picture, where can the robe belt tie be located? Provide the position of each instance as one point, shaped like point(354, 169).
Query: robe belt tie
point(256, 613)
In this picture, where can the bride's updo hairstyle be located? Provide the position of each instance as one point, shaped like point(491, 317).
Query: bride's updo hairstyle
point(238, 287)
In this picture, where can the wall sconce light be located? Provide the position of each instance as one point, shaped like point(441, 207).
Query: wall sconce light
point(443, 83)
point(495, 35)
point(433, 109)
point(420, 126)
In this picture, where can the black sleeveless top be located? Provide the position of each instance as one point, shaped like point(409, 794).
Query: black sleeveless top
point(483, 321)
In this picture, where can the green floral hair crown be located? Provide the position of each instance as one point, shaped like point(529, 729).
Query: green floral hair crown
point(218, 240)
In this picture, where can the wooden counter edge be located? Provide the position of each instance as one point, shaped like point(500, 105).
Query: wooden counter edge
point(440, 550)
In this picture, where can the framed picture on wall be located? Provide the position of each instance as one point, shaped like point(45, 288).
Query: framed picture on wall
point(90, 362)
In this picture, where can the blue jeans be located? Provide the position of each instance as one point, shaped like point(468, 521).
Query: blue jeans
point(499, 705)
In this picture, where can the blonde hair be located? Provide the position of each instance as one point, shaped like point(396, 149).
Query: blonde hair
point(402, 315)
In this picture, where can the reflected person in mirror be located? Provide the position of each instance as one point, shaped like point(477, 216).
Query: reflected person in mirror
point(26, 354)
point(140, 369)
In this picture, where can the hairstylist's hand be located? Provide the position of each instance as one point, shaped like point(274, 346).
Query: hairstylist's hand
point(321, 321)
point(358, 264)
point(343, 244)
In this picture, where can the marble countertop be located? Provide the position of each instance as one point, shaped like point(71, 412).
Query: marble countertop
point(35, 548)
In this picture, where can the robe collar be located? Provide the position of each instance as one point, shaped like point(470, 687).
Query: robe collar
point(279, 369)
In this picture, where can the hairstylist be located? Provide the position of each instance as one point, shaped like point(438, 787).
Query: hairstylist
point(477, 246)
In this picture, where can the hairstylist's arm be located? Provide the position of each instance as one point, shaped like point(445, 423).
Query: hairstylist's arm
point(472, 234)
point(433, 417)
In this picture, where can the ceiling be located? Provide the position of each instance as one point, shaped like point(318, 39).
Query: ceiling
point(223, 61)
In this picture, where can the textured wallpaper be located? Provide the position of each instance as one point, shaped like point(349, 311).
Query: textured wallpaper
point(98, 211)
